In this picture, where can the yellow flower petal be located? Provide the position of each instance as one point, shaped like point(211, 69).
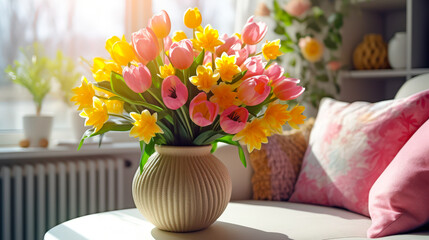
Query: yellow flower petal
point(227, 67)
point(83, 94)
point(252, 135)
point(205, 78)
point(224, 96)
point(96, 115)
point(209, 38)
point(276, 116)
point(166, 70)
point(271, 50)
point(145, 127)
point(296, 116)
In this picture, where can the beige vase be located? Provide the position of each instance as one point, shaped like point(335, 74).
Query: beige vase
point(182, 189)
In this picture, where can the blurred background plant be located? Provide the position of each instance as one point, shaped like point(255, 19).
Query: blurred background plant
point(65, 72)
point(32, 73)
point(311, 37)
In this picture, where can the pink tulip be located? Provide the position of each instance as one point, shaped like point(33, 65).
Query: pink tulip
point(160, 24)
point(231, 45)
point(297, 7)
point(254, 66)
point(334, 65)
point(254, 90)
point(251, 49)
point(201, 111)
point(274, 72)
point(253, 32)
point(240, 56)
point(174, 93)
point(287, 88)
point(182, 54)
point(145, 44)
point(167, 45)
point(138, 78)
point(233, 119)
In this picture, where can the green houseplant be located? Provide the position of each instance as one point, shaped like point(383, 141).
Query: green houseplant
point(311, 34)
point(32, 73)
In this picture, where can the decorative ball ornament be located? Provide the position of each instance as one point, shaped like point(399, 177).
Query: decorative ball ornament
point(371, 53)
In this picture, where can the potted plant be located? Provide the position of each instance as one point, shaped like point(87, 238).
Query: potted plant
point(181, 96)
point(64, 71)
point(312, 37)
point(32, 73)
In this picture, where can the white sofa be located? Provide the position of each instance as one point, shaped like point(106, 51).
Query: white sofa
point(304, 221)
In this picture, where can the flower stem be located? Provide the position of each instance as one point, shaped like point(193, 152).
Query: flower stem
point(187, 122)
point(153, 95)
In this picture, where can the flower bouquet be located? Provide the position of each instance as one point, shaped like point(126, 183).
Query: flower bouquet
point(190, 91)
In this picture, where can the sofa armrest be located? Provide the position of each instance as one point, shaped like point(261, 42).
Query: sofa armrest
point(241, 177)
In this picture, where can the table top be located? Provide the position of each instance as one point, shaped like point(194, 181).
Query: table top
point(130, 224)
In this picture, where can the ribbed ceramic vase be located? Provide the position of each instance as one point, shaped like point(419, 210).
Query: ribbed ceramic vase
point(182, 189)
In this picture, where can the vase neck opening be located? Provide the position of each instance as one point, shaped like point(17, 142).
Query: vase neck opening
point(183, 150)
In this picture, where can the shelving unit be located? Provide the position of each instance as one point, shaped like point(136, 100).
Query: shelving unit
point(385, 17)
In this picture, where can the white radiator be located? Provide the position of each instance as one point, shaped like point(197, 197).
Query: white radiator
point(36, 197)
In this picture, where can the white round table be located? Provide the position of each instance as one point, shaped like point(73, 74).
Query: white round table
point(130, 224)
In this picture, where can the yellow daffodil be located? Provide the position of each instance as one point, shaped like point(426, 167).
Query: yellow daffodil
point(120, 50)
point(311, 49)
point(196, 45)
point(209, 38)
point(114, 106)
point(296, 116)
point(102, 68)
point(178, 36)
point(145, 126)
point(205, 78)
point(227, 67)
point(192, 18)
point(253, 134)
point(83, 94)
point(96, 115)
point(271, 50)
point(166, 70)
point(238, 35)
point(224, 96)
point(276, 116)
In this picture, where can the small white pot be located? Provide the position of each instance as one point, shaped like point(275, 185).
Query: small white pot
point(37, 128)
point(397, 51)
point(78, 125)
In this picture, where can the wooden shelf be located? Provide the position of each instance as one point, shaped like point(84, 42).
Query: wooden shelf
point(380, 5)
point(383, 73)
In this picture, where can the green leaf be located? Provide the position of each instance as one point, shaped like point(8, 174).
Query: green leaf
point(322, 78)
point(119, 87)
point(214, 147)
point(317, 12)
point(279, 29)
point(169, 136)
point(228, 139)
point(146, 151)
point(285, 48)
point(156, 81)
point(336, 20)
point(197, 61)
point(329, 43)
point(314, 26)
point(108, 126)
point(207, 137)
point(237, 77)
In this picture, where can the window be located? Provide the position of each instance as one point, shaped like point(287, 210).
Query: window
point(79, 28)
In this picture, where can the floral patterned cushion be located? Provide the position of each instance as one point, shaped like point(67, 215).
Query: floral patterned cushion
point(350, 146)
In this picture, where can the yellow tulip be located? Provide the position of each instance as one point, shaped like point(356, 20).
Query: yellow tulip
point(120, 50)
point(192, 18)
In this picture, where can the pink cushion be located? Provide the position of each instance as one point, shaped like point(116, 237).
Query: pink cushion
point(399, 199)
point(350, 146)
